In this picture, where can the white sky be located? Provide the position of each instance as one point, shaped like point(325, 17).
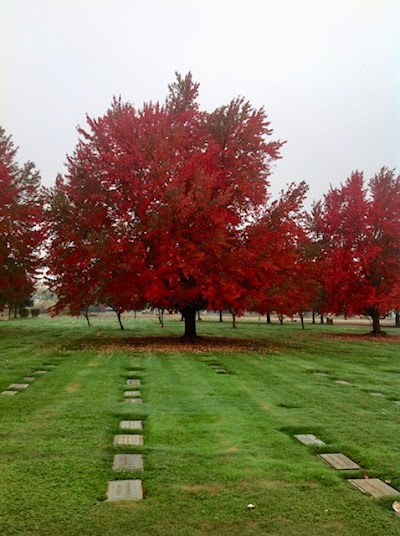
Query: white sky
point(326, 71)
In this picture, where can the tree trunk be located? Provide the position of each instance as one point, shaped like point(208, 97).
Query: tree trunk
point(280, 319)
point(220, 315)
point(87, 318)
point(119, 319)
point(313, 317)
point(198, 315)
point(376, 326)
point(322, 319)
point(233, 313)
point(397, 319)
point(302, 320)
point(160, 316)
point(189, 316)
point(268, 318)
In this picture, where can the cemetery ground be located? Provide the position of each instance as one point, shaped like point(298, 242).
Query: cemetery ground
point(219, 420)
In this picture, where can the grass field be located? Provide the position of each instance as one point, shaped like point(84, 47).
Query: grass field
point(213, 443)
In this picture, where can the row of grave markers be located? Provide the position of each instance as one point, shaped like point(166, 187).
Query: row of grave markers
point(16, 388)
point(132, 489)
point(345, 382)
point(374, 486)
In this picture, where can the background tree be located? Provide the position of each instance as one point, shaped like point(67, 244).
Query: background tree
point(282, 278)
point(155, 201)
point(357, 228)
point(21, 225)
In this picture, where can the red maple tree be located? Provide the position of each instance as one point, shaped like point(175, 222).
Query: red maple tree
point(21, 225)
point(155, 202)
point(279, 248)
point(357, 229)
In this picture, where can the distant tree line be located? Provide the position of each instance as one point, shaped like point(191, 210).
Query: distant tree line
point(168, 206)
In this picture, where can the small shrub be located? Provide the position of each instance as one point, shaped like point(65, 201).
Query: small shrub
point(23, 313)
point(35, 312)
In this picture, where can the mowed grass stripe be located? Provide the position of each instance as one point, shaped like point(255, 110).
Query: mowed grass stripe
point(59, 450)
point(233, 443)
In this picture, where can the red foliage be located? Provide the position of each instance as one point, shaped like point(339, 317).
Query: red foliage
point(357, 229)
point(156, 204)
point(21, 229)
point(279, 250)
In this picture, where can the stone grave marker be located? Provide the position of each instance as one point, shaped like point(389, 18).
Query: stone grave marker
point(309, 439)
point(133, 383)
point(131, 440)
point(377, 394)
point(125, 490)
point(132, 393)
point(29, 378)
point(136, 400)
point(397, 402)
point(9, 393)
point(339, 461)
point(220, 371)
point(18, 386)
point(40, 371)
point(342, 382)
point(128, 462)
point(131, 425)
point(374, 486)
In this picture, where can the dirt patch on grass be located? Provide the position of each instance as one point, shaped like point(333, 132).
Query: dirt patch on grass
point(211, 489)
point(264, 483)
point(359, 337)
point(73, 387)
point(173, 345)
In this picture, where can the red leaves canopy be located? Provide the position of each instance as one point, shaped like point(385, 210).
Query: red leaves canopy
point(156, 202)
point(21, 229)
point(358, 231)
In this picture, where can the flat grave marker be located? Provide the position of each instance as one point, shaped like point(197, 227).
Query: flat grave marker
point(133, 383)
point(309, 439)
point(339, 461)
point(9, 393)
point(136, 400)
point(377, 394)
point(125, 490)
point(128, 462)
point(397, 401)
point(131, 440)
point(40, 371)
point(29, 379)
point(320, 374)
point(342, 382)
point(131, 425)
point(374, 486)
point(132, 393)
point(18, 386)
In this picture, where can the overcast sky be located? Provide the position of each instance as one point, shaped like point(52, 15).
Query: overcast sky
point(326, 71)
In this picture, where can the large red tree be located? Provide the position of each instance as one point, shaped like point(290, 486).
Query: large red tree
point(21, 229)
point(357, 229)
point(155, 201)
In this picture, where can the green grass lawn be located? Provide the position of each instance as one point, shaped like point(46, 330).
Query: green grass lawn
point(213, 443)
